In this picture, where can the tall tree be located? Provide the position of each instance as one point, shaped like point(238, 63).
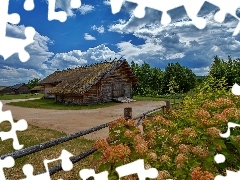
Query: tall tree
point(183, 78)
point(33, 82)
point(150, 80)
point(228, 69)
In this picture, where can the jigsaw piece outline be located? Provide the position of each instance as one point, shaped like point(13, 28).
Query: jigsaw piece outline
point(9, 45)
point(66, 163)
point(20, 125)
point(7, 162)
point(192, 8)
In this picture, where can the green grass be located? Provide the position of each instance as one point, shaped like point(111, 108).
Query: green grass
point(19, 96)
point(35, 135)
point(51, 104)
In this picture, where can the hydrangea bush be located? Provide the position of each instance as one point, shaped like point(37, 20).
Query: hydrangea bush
point(182, 143)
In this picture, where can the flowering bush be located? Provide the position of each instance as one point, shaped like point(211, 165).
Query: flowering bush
point(181, 144)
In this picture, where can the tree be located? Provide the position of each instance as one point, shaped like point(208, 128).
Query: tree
point(33, 82)
point(182, 77)
point(150, 80)
point(228, 69)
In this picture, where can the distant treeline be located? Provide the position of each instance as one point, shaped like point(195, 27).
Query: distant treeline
point(179, 79)
point(155, 82)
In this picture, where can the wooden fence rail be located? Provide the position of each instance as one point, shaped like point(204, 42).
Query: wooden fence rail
point(48, 144)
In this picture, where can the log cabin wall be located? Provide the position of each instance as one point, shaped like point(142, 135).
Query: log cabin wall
point(89, 97)
point(117, 84)
point(69, 99)
point(47, 88)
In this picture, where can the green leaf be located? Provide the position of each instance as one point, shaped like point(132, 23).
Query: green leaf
point(97, 155)
point(105, 167)
point(204, 137)
point(220, 142)
point(208, 162)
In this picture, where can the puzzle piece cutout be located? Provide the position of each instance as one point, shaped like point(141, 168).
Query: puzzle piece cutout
point(29, 5)
point(219, 158)
point(236, 89)
point(137, 167)
point(20, 125)
point(87, 173)
point(192, 8)
point(230, 175)
point(230, 125)
point(9, 45)
point(66, 163)
point(7, 162)
point(52, 14)
point(61, 15)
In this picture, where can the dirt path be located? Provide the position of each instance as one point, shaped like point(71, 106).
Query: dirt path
point(71, 121)
point(17, 100)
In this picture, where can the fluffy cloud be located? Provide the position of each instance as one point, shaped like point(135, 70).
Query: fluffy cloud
point(180, 41)
point(89, 37)
point(11, 76)
point(84, 9)
point(98, 29)
point(66, 6)
point(77, 57)
point(38, 50)
point(39, 54)
point(107, 2)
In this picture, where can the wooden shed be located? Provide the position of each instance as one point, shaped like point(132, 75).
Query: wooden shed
point(97, 83)
point(21, 88)
point(37, 89)
point(6, 90)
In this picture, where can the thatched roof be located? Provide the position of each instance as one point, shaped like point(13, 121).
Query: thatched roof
point(17, 86)
point(81, 79)
point(37, 88)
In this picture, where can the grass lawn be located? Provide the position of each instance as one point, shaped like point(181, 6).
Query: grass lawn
point(51, 104)
point(35, 135)
point(19, 96)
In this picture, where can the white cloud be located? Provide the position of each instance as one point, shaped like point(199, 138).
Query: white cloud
point(107, 2)
point(89, 37)
point(85, 8)
point(180, 41)
point(39, 54)
point(201, 71)
point(98, 29)
point(77, 57)
point(11, 76)
point(38, 50)
point(65, 5)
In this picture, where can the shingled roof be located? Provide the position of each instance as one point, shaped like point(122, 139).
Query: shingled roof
point(81, 79)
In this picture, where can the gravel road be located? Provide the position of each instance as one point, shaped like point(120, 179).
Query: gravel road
point(71, 121)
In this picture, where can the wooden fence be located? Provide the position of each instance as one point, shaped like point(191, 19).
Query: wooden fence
point(127, 115)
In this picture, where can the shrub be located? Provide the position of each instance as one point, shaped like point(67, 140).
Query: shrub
point(181, 144)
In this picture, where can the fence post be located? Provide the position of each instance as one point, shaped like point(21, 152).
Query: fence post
point(128, 113)
point(167, 106)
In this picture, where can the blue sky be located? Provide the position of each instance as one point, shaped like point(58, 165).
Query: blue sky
point(92, 34)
